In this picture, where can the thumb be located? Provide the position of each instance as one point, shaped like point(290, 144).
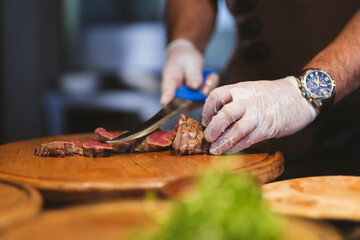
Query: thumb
point(172, 79)
point(193, 74)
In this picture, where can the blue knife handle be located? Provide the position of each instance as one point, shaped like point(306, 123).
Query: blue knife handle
point(194, 95)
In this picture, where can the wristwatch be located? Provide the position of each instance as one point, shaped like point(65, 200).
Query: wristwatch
point(317, 87)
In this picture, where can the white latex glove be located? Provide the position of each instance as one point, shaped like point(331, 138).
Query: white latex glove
point(240, 115)
point(184, 65)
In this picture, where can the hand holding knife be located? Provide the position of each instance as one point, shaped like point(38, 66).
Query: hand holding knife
point(184, 97)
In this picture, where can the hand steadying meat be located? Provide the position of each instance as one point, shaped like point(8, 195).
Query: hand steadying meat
point(240, 115)
point(184, 65)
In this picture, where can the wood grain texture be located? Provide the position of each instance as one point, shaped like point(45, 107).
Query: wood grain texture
point(305, 229)
point(130, 174)
point(326, 197)
point(18, 203)
point(121, 220)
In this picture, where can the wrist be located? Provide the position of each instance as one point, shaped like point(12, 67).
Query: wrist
point(181, 43)
point(313, 109)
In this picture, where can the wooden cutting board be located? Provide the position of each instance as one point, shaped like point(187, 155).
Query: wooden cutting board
point(130, 174)
point(18, 203)
point(326, 197)
point(120, 220)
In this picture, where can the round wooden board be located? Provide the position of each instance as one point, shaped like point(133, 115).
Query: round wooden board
point(82, 178)
point(117, 220)
point(18, 203)
point(327, 197)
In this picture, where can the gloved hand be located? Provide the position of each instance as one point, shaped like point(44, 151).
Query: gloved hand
point(184, 65)
point(240, 115)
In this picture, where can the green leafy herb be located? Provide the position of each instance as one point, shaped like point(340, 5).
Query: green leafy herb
point(222, 206)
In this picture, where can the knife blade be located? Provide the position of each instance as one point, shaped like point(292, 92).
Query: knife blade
point(159, 119)
point(183, 98)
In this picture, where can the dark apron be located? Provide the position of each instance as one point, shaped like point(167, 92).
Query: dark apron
point(276, 39)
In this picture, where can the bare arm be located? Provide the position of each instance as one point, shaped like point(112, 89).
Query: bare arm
point(341, 59)
point(191, 19)
point(189, 24)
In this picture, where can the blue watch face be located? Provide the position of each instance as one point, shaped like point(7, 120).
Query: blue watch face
point(319, 84)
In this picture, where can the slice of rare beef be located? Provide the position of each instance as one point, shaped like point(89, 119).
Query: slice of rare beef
point(124, 147)
point(101, 135)
point(158, 140)
point(190, 137)
point(97, 149)
point(60, 149)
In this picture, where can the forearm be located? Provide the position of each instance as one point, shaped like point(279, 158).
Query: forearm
point(191, 19)
point(341, 59)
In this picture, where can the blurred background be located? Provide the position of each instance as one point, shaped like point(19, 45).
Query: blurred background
point(69, 66)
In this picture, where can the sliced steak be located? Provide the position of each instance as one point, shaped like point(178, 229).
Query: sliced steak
point(97, 149)
point(158, 140)
point(101, 135)
point(124, 147)
point(60, 149)
point(190, 138)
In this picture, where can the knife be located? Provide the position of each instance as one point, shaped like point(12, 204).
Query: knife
point(184, 96)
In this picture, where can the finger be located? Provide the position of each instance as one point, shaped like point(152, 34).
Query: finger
point(211, 82)
point(246, 142)
point(216, 99)
point(172, 80)
point(193, 74)
point(231, 136)
point(228, 114)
